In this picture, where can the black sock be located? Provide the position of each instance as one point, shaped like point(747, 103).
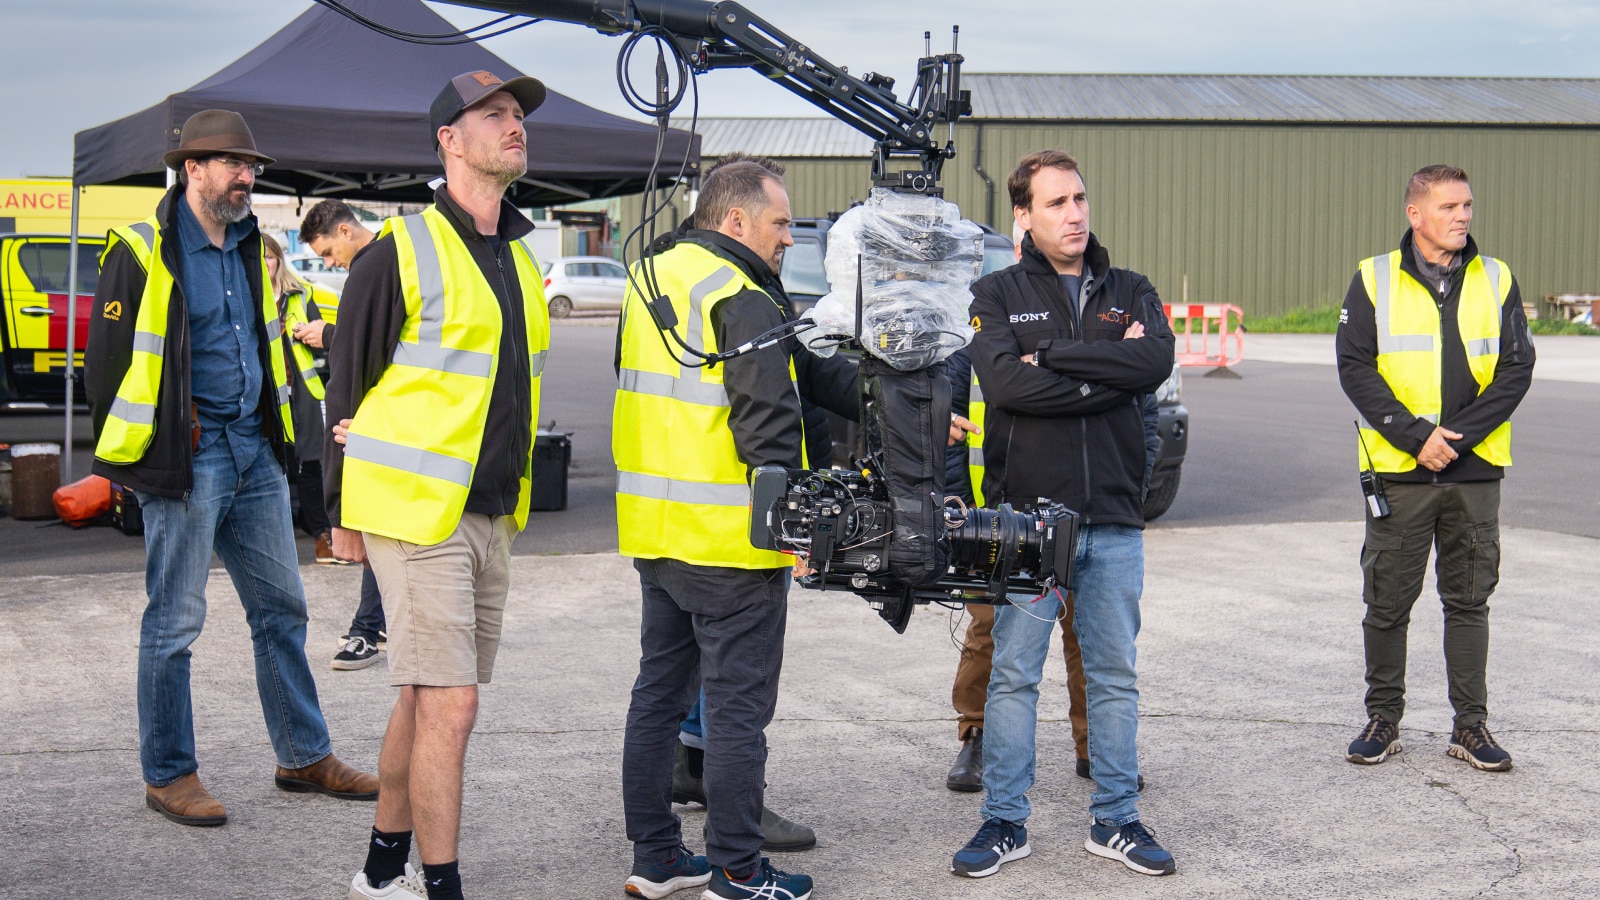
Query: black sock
point(443, 880)
point(697, 762)
point(386, 856)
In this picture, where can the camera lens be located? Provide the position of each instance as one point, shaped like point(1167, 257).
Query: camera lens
point(997, 541)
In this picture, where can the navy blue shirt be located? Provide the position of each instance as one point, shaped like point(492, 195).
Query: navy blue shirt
point(224, 352)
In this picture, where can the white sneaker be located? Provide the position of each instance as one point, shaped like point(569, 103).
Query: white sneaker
point(407, 887)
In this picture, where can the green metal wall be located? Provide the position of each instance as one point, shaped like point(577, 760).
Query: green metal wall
point(1274, 217)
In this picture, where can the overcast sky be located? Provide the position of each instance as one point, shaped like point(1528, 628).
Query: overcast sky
point(73, 65)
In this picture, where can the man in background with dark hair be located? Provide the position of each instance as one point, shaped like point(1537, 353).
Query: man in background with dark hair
point(1434, 352)
point(332, 232)
point(1065, 344)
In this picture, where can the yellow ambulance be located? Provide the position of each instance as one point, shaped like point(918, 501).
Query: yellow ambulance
point(35, 246)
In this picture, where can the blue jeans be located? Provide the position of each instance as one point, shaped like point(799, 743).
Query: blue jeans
point(692, 731)
point(1107, 582)
point(244, 517)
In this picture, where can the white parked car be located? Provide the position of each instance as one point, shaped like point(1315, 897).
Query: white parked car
point(583, 282)
point(312, 268)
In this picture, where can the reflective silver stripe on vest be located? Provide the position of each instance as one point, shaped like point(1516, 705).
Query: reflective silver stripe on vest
point(409, 459)
point(145, 342)
point(144, 230)
point(1491, 267)
point(429, 352)
point(658, 385)
point(1387, 342)
point(274, 329)
point(975, 456)
point(283, 395)
point(536, 363)
point(308, 375)
point(655, 487)
point(444, 359)
point(430, 280)
point(133, 413)
point(976, 394)
point(697, 296)
point(1483, 347)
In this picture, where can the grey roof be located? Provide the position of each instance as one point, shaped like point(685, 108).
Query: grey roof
point(787, 138)
point(1287, 98)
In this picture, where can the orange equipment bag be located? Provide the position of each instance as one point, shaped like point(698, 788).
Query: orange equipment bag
point(82, 502)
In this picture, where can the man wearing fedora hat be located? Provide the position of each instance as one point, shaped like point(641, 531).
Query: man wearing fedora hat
point(435, 386)
point(186, 374)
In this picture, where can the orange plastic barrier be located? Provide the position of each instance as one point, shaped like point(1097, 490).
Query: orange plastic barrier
point(1196, 346)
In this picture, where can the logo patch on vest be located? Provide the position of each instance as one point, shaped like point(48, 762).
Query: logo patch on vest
point(113, 310)
point(1029, 317)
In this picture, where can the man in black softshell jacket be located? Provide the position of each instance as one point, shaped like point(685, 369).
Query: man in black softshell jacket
point(1065, 346)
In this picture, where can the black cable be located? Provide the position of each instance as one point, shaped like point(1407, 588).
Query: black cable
point(450, 38)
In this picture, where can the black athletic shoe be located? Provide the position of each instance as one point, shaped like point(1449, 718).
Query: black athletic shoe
point(1477, 746)
point(1376, 743)
point(1133, 845)
point(996, 843)
point(355, 654)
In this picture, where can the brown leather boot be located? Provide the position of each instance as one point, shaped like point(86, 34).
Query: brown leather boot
point(186, 802)
point(329, 776)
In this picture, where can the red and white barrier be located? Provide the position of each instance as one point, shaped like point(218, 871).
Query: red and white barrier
point(1217, 340)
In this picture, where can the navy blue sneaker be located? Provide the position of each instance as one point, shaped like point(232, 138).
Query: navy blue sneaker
point(765, 883)
point(657, 881)
point(1376, 743)
point(1133, 845)
point(1478, 747)
point(996, 843)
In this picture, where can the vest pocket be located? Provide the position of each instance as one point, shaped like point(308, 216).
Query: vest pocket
point(1484, 568)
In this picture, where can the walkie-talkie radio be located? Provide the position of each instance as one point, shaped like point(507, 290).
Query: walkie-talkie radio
point(1371, 484)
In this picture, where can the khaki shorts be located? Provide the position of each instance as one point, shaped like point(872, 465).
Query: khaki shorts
point(445, 602)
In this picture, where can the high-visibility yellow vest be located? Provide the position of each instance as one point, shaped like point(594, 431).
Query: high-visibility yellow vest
point(326, 299)
point(1410, 348)
point(682, 491)
point(975, 411)
point(295, 314)
point(131, 422)
point(414, 443)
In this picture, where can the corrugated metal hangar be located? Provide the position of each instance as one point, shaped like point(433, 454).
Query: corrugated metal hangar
point(1264, 191)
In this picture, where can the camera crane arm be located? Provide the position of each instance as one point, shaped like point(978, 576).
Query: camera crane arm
point(725, 34)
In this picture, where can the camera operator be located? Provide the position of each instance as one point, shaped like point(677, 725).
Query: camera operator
point(1065, 346)
point(685, 438)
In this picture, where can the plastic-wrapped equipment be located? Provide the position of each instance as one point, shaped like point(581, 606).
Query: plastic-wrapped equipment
point(917, 259)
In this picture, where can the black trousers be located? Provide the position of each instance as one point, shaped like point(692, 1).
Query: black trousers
point(1463, 522)
point(727, 625)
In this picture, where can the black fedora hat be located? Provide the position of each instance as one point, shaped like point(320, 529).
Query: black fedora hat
point(213, 132)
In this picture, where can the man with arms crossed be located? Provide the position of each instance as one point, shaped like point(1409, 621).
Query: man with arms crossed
point(441, 339)
point(1065, 346)
point(1434, 353)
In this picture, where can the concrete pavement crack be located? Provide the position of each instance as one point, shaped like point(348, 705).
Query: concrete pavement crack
point(1488, 825)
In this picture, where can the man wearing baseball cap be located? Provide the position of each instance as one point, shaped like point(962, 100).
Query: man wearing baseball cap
point(187, 379)
point(436, 361)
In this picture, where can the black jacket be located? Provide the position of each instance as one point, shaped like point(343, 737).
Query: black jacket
point(768, 427)
point(1462, 409)
point(1072, 428)
point(167, 468)
point(372, 311)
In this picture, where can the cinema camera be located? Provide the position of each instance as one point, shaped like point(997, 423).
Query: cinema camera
point(886, 530)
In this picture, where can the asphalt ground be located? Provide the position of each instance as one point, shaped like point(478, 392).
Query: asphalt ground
point(1250, 682)
point(1276, 445)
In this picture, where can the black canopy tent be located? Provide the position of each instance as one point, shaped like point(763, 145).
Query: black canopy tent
point(344, 111)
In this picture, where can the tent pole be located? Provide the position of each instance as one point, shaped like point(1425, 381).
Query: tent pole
point(72, 337)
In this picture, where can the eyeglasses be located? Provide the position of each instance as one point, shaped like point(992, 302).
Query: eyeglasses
point(238, 166)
